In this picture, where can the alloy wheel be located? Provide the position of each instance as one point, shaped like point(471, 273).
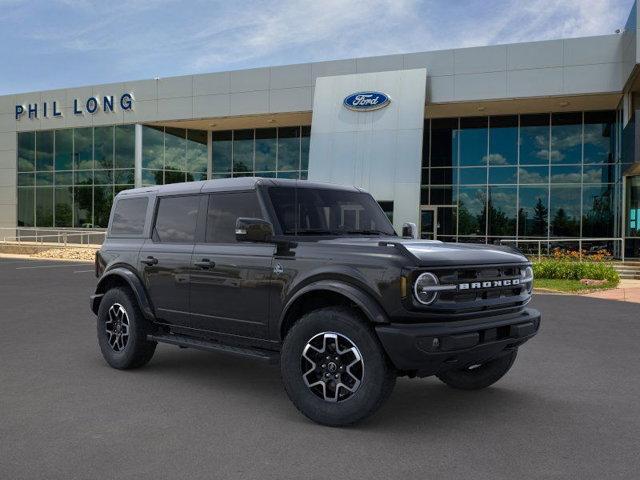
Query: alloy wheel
point(117, 327)
point(333, 366)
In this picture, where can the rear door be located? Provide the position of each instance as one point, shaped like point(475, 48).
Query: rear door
point(230, 281)
point(165, 259)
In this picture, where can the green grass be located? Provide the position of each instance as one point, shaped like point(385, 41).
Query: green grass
point(569, 286)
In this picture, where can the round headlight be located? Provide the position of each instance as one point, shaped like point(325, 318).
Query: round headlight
point(527, 278)
point(423, 288)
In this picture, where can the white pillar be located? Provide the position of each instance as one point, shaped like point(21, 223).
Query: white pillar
point(138, 156)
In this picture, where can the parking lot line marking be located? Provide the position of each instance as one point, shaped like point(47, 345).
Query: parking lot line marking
point(83, 271)
point(52, 266)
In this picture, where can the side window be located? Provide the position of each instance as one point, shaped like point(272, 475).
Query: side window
point(176, 219)
point(129, 215)
point(224, 209)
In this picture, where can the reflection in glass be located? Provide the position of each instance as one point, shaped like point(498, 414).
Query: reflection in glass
point(564, 212)
point(288, 148)
point(304, 150)
point(63, 159)
point(103, 147)
point(102, 200)
point(44, 206)
point(534, 175)
point(443, 196)
point(471, 211)
point(571, 174)
point(221, 146)
point(473, 176)
point(503, 175)
point(566, 138)
point(242, 151)
point(503, 140)
point(152, 147)
point(473, 141)
point(26, 205)
point(197, 154)
point(597, 211)
point(44, 150)
point(175, 149)
point(266, 146)
point(125, 146)
point(534, 139)
point(599, 141)
point(82, 204)
point(83, 148)
point(533, 213)
point(501, 211)
point(63, 206)
point(604, 173)
point(26, 151)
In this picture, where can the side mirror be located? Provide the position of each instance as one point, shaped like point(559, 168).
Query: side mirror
point(410, 230)
point(253, 230)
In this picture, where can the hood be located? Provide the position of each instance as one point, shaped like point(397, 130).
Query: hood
point(436, 254)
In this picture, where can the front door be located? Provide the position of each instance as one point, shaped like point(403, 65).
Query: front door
point(165, 259)
point(230, 281)
point(428, 222)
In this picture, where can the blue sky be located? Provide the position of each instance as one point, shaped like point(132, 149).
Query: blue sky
point(48, 44)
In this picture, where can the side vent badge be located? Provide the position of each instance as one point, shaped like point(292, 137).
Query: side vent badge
point(278, 269)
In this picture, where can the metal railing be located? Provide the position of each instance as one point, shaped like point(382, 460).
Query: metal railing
point(52, 236)
point(545, 247)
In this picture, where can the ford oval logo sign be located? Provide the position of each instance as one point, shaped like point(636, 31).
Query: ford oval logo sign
point(366, 101)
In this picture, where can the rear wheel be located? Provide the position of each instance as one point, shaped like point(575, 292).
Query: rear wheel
point(334, 368)
point(480, 376)
point(122, 331)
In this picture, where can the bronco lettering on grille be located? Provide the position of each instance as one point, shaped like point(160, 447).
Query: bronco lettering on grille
point(509, 282)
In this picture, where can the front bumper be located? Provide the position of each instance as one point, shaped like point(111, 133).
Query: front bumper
point(431, 348)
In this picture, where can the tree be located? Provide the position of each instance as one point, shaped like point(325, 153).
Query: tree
point(540, 219)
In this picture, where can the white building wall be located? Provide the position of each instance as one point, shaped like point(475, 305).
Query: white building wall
point(381, 150)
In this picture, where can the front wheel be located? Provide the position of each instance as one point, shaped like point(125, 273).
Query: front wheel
point(334, 368)
point(480, 376)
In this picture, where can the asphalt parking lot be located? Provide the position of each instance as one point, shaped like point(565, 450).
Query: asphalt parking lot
point(570, 407)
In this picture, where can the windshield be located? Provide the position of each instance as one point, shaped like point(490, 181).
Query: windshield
point(310, 211)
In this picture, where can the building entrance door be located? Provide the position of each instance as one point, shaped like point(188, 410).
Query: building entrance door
point(428, 223)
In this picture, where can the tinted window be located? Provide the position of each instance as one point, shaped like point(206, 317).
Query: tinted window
point(176, 220)
point(129, 215)
point(309, 211)
point(224, 209)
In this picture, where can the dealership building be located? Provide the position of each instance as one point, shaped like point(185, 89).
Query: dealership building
point(532, 143)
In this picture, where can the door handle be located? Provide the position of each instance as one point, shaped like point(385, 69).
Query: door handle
point(205, 263)
point(150, 261)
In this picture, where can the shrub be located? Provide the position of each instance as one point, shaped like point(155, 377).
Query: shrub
point(575, 270)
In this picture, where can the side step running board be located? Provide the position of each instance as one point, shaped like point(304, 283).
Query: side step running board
point(211, 346)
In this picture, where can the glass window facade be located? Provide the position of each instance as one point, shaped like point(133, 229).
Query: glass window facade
point(536, 176)
point(281, 152)
point(172, 155)
point(68, 177)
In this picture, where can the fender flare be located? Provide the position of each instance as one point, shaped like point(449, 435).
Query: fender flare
point(369, 306)
point(133, 281)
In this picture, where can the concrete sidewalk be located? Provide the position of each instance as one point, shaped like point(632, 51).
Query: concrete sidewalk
point(627, 291)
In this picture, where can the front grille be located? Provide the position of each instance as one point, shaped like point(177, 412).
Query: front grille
point(480, 299)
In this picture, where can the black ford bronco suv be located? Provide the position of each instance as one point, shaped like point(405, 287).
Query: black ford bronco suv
point(314, 277)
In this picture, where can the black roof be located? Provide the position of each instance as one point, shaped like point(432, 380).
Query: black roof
point(230, 184)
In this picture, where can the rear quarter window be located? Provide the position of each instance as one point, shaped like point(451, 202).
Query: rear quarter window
point(129, 215)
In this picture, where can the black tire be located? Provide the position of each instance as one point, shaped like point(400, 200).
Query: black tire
point(378, 376)
point(136, 351)
point(481, 376)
